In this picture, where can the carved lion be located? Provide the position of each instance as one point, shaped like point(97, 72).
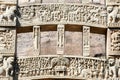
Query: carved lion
point(6, 65)
point(112, 13)
point(8, 15)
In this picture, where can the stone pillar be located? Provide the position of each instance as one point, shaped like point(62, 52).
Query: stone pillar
point(108, 43)
point(60, 39)
point(86, 41)
point(36, 32)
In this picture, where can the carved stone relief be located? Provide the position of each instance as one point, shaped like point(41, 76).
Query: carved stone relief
point(6, 66)
point(114, 1)
point(7, 41)
point(113, 67)
point(115, 41)
point(113, 15)
point(63, 13)
point(7, 15)
point(60, 40)
point(86, 41)
point(62, 66)
point(36, 32)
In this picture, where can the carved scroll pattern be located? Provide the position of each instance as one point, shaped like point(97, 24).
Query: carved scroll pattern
point(115, 41)
point(7, 41)
point(62, 66)
point(86, 41)
point(64, 13)
point(60, 41)
point(113, 15)
point(7, 15)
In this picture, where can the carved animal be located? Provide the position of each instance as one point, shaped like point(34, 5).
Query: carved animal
point(6, 65)
point(113, 14)
point(8, 14)
point(60, 61)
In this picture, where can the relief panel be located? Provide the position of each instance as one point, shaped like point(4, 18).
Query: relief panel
point(62, 66)
point(113, 15)
point(7, 41)
point(86, 41)
point(113, 1)
point(57, 13)
point(115, 41)
point(37, 36)
point(7, 15)
point(60, 40)
point(6, 67)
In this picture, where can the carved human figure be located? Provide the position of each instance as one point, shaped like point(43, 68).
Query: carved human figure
point(115, 40)
point(112, 68)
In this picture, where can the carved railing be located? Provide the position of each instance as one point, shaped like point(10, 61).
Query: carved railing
point(83, 14)
point(61, 67)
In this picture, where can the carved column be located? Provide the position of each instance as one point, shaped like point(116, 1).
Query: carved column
point(36, 32)
point(86, 41)
point(60, 39)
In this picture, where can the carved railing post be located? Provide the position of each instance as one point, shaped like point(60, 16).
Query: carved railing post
point(36, 32)
point(60, 39)
point(86, 41)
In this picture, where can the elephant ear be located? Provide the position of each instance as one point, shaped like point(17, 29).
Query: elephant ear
point(54, 61)
point(65, 61)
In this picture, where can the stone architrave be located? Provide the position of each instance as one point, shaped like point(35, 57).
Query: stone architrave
point(86, 41)
point(60, 39)
point(36, 32)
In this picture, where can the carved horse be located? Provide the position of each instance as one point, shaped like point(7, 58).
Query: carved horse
point(8, 14)
point(6, 65)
